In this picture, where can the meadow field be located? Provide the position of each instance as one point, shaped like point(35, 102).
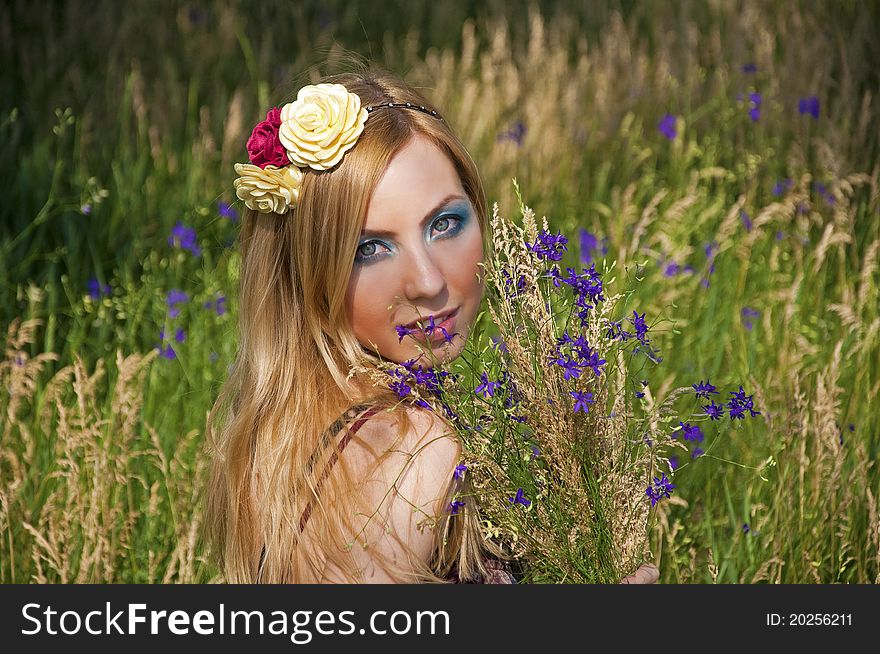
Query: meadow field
point(724, 153)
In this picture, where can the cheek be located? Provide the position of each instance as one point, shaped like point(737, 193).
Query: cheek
point(370, 292)
point(467, 268)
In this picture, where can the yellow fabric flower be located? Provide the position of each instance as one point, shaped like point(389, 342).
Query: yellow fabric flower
point(322, 124)
point(269, 189)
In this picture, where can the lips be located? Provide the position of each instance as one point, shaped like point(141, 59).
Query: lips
point(439, 318)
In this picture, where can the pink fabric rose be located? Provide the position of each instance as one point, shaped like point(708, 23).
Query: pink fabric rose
point(264, 146)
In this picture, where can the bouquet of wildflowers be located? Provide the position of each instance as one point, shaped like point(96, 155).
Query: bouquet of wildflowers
point(564, 472)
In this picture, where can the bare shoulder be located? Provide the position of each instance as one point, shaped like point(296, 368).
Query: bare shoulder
point(405, 474)
point(407, 437)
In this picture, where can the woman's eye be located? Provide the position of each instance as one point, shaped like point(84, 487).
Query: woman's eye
point(446, 225)
point(367, 249)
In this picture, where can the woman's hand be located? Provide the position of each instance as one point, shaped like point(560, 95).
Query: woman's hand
point(646, 574)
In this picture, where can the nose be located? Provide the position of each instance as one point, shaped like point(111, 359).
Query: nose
point(424, 278)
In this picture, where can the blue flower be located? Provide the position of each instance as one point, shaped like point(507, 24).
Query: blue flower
point(97, 289)
point(516, 133)
point(460, 469)
point(486, 388)
point(673, 463)
point(227, 211)
point(582, 401)
point(180, 336)
point(714, 411)
point(781, 187)
point(166, 352)
point(549, 246)
point(691, 432)
point(590, 244)
point(401, 388)
point(455, 507)
point(697, 453)
point(184, 237)
point(570, 368)
point(667, 126)
point(661, 488)
point(740, 403)
point(638, 322)
point(175, 297)
point(704, 390)
point(809, 105)
point(747, 315)
point(519, 499)
point(401, 332)
point(746, 529)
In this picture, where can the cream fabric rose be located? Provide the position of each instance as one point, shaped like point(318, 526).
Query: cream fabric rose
point(322, 125)
point(269, 189)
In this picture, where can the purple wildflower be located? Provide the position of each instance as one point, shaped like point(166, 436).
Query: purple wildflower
point(691, 432)
point(455, 507)
point(740, 403)
point(227, 211)
point(661, 488)
point(519, 499)
point(747, 222)
point(401, 388)
point(447, 336)
point(781, 186)
point(97, 289)
point(570, 368)
point(460, 469)
point(516, 133)
point(747, 314)
point(746, 528)
point(639, 395)
point(401, 332)
point(175, 297)
point(638, 322)
point(809, 105)
point(85, 209)
point(549, 246)
point(184, 237)
point(487, 388)
point(166, 352)
point(698, 452)
point(590, 244)
point(593, 361)
point(750, 68)
point(180, 335)
point(673, 463)
point(667, 126)
point(714, 411)
point(672, 269)
point(703, 390)
point(582, 401)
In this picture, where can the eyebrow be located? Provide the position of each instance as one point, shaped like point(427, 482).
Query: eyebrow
point(428, 216)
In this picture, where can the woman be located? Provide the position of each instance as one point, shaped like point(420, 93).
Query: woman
point(366, 223)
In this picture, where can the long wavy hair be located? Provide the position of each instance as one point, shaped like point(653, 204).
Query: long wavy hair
point(290, 380)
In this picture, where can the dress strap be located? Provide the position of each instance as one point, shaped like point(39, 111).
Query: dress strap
point(334, 457)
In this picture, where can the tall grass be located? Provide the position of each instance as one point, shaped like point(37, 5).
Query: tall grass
point(100, 460)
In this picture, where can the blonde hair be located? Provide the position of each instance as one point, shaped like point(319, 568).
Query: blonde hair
point(267, 432)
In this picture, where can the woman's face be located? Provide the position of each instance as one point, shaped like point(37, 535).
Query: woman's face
point(416, 259)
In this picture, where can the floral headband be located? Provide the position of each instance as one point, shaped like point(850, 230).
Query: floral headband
point(314, 131)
